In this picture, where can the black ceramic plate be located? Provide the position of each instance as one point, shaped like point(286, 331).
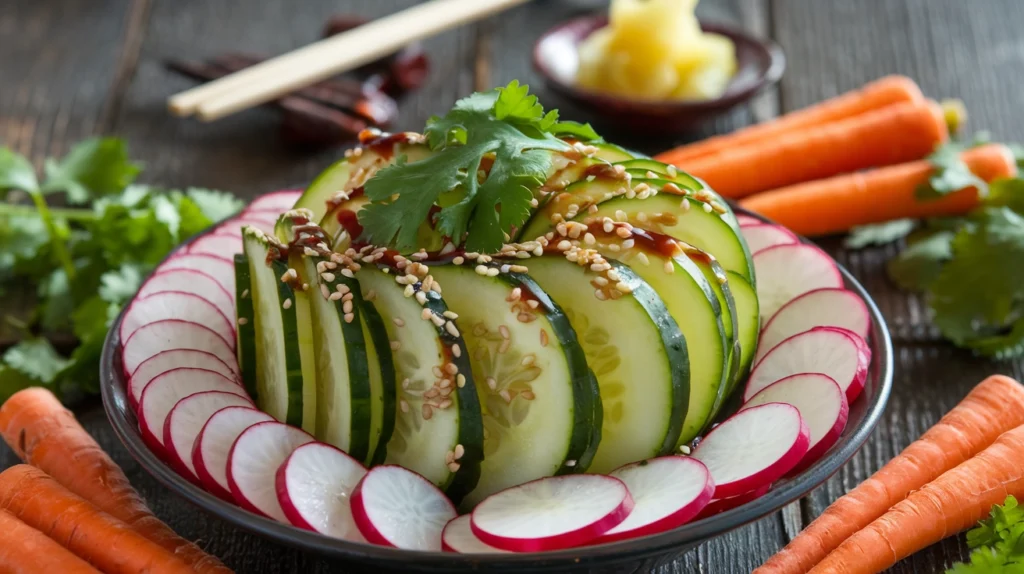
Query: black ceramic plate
point(629, 555)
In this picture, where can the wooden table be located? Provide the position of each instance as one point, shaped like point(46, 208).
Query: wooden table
point(70, 69)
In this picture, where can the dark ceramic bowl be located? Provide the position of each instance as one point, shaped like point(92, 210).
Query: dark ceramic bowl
point(760, 64)
point(640, 554)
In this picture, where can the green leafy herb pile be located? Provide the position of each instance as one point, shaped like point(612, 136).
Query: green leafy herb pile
point(997, 543)
point(506, 127)
point(66, 271)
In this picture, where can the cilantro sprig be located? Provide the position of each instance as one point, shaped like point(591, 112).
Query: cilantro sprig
point(65, 271)
point(476, 203)
point(997, 543)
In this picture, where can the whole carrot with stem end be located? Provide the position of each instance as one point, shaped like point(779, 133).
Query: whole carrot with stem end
point(102, 540)
point(878, 94)
point(46, 435)
point(993, 407)
point(842, 202)
point(949, 504)
point(25, 550)
point(891, 135)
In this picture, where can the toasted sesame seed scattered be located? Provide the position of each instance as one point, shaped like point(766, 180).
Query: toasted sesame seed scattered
point(404, 406)
point(492, 272)
point(458, 260)
point(642, 257)
point(600, 295)
point(684, 449)
point(524, 317)
point(684, 205)
point(492, 383)
point(309, 252)
point(245, 294)
point(451, 368)
point(623, 232)
point(623, 288)
point(459, 451)
point(437, 320)
point(427, 413)
point(329, 277)
point(436, 370)
point(593, 208)
point(426, 314)
point(450, 327)
point(287, 303)
point(481, 269)
point(460, 380)
point(408, 291)
point(335, 296)
point(570, 463)
point(242, 321)
point(454, 466)
point(707, 208)
point(456, 351)
point(445, 404)
point(348, 273)
point(349, 317)
point(451, 315)
point(431, 393)
point(421, 297)
point(669, 268)
point(449, 457)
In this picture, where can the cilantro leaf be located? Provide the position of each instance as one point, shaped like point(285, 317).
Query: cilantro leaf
point(575, 130)
point(12, 380)
point(997, 542)
point(879, 233)
point(119, 285)
point(93, 168)
point(1006, 192)
point(215, 205)
point(36, 359)
point(917, 266)
point(16, 172)
point(951, 173)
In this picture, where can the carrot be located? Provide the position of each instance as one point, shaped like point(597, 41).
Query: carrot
point(943, 507)
point(104, 541)
point(25, 550)
point(46, 435)
point(994, 406)
point(891, 135)
point(878, 94)
point(839, 203)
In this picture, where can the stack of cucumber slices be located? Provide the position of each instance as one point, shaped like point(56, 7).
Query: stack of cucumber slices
point(558, 385)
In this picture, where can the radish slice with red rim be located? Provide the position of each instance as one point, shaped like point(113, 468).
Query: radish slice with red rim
point(213, 445)
point(753, 448)
point(393, 506)
point(187, 418)
point(253, 462)
point(458, 537)
point(164, 391)
point(830, 307)
point(190, 281)
point(176, 305)
point(785, 272)
point(276, 201)
point(314, 487)
point(763, 236)
point(155, 338)
point(175, 359)
point(552, 513)
point(745, 220)
point(220, 268)
point(667, 492)
point(720, 505)
point(218, 244)
point(822, 405)
point(838, 353)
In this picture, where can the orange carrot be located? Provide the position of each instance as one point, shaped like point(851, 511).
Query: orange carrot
point(46, 435)
point(890, 135)
point(104, 541)
point(949, 504)
point(882, 92)
point(25, 550)
point(994, 406)
point(839, 203)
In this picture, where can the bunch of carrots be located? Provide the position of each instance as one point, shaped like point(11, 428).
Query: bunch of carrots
point(938, 486)
point(855, 159)
point(71, 509)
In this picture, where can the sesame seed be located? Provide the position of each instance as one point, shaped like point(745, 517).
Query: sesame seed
point(309, 252)
point(505, 395)
point(543, 338)
point(348, 273)
point(707, 208)
point(519, 268)
point(427, 413)
point(431, 393)
point(426, 314)
point(491, 383)
point(421, 297)
point(570, 463)
point(481, 269)
point(623, 232)
point(436, 370)
point(628, 244)
point(456, 351)
point(622, 287)
point(451, 315)
point(404, 406)
point(492, 272)
point(532, 304)
point(642, 257)
point(684, 204)
point(245, 294)
point(406, 382)
point(669, 268)
point(445, 404)
point(349, 317)
point(453, 466)
point(600, 295)
point(684, 449)
point(346, 296)
point(445, 383)
point(593, 208)
point(459, 451)
point(515, 294)
point(242, 321)
point(589, 239)
point(329, 277)
point(321, 267)
point(449, 457)
point(450, 327)
point(460, 380)
point(290, 274)
point(437, 320)
point(451, 368)
point(335, 296)
point(287, 304)
point(525, 317)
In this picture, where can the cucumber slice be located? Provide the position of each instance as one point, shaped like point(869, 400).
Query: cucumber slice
point(382, 381)
point(748, 319)
point(540, 403)
point(719, 282)
point(642, 167)
point(279, 385)
point(613, 153)
point(307, 355)
point(427, 437)
point(637, 353)
point(245, 325)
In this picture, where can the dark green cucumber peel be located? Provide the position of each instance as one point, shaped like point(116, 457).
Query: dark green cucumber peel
point(245, 325)
point(290, 334)
point(387, 366)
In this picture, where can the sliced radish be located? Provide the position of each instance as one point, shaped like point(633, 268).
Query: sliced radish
point(176, 305)
point(175, 359)
point(552, 513)
point(832, 351)
point(828, 307)
point(218, 244)
point(187, 418)
point(667, 492)
point(213, 445)
point(763, 236)
point(220, 268)
point(253, 462)
point(191, 281)
point(163, 392)
point(753, 448)
point(822, 405)
point(396, 507)
point(277, 201)
point(785, 272)
point(458, 537)
point(720, 505)
point(234, 227)
point(314, 487)
point(745, 220)
point(152, 339)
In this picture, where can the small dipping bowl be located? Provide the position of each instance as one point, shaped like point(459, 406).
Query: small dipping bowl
point(760, 63)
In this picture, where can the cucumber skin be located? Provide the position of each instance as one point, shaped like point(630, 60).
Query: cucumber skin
point(293, 375)
point(245, 333)
point(379, 334)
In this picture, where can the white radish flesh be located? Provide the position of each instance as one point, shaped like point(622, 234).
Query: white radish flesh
point(785, 272)
point(163, 392)
point(552, 513)
point(314, 487)
point(667, 492)
point(458, 537)
point(191, 281)
point(253, 462)
point(720, 505)
point(828, 307)
point(763, 236)
point(838, 353)
point(753, 448)
point(175, 359)
point(821, 403)
point(396, 507)
point(187, 418)
point(745, 220)
point(276, 201)
point(155, 338)
point(221, 245)
point(213, 445)
point(220, 268)
point(176, 305)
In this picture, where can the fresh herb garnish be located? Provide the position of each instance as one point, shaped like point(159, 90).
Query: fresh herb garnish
point(951, 173)
point(997, 543)
point(878, 233)
point(477, 205)
point(65, 272)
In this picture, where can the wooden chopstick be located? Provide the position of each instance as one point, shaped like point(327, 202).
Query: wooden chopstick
point(308, 65)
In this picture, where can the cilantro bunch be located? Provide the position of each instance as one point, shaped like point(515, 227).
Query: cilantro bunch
point(997, 543)
point(66, 271)
point(508, 129)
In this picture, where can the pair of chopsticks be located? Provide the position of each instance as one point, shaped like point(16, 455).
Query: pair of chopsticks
point(278, 76)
